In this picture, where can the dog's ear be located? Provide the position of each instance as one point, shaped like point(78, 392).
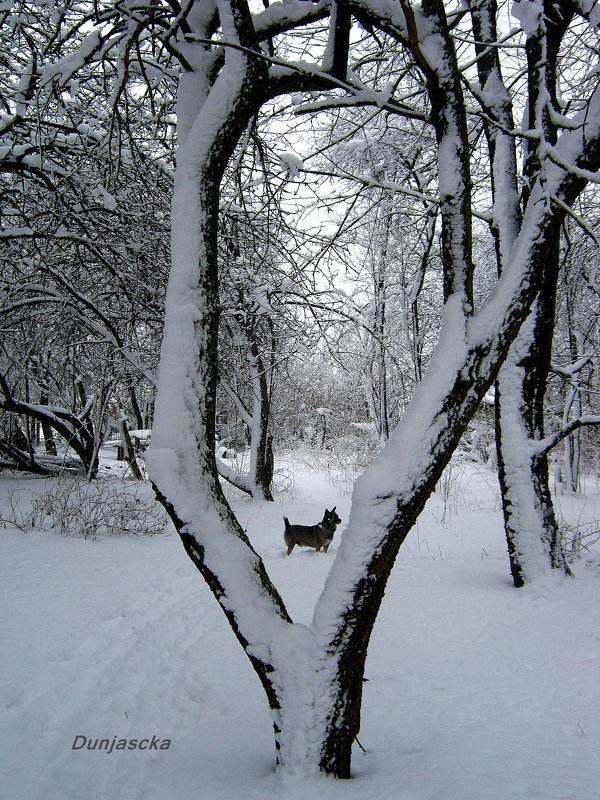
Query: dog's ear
point(333, 509)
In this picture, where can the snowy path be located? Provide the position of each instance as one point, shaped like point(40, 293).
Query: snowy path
point(475, 691)
point(112, 638)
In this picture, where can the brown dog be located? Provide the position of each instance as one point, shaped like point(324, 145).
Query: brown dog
point(317, 536)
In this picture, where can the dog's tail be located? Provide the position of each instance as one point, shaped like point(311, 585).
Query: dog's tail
point(287, 523)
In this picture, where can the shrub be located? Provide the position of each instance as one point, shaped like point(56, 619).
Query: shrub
point(91, 510)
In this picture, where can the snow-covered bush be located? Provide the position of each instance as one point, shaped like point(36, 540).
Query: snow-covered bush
point(284, 482)
point(578, 540)
point(449, 488)
point(76, 507)
point(344, 459)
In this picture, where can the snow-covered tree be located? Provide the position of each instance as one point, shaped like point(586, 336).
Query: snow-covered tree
point(574, 386)
point(258, 327)
point(313, 675)
point(231, 61)
point(532, 531)
point(84, 233)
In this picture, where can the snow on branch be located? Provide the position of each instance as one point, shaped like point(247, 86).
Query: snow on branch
point(235, 398)
point(543, 446)
point(572, 369)
point(555, 157)
point(281, 17)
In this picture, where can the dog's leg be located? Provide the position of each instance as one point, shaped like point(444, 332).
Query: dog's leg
point(290, 548)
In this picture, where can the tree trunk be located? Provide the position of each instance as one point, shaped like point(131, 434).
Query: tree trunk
point(257, 481)
point(17, 436)
point(531, 530)
point(572, 407)
point(532, 533)
point(261, 443)
point(530, 525)
point(135, 407)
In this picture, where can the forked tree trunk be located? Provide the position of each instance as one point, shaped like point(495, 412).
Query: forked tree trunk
point(312, 675)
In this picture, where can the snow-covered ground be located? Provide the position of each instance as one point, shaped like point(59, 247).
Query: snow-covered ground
point(476, 691)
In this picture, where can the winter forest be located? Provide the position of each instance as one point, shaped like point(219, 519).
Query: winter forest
point(330, 260)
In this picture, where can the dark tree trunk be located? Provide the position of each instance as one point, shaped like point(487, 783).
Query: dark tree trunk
point(135, 407)
point(261, 440)
point(17, 435)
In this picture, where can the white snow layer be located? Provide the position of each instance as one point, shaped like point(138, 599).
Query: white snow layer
point(476, 691)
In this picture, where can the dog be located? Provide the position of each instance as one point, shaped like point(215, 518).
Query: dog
point(317, 536)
